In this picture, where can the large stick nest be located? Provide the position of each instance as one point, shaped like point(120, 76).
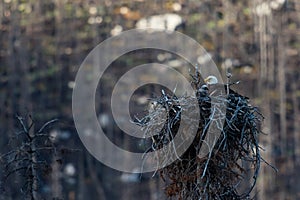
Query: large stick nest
point(230, 169)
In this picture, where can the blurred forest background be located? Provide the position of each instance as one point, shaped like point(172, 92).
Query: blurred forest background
point(43, 43)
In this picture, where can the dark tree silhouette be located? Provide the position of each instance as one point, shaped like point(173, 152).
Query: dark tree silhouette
point(27, 158)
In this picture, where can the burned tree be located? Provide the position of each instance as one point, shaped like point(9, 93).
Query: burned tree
point(29, 158)
point(230, 168)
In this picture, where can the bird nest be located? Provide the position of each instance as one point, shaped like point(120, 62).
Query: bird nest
point(230, 167)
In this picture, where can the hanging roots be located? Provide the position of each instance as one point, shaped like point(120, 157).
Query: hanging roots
point(230, 169)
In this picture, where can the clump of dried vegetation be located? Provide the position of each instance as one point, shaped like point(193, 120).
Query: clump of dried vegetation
point(230, 168)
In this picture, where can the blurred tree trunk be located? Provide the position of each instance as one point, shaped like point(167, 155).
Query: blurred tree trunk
point(282, 88)
point(56, 174)
point(94, 176)
point(276, 89)
point(262, 27)
point(81, 190)
point(13, 73)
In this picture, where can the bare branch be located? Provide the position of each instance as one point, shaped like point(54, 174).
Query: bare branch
point(47, 124)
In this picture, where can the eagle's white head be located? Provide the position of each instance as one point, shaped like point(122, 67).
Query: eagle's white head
point(211, 80)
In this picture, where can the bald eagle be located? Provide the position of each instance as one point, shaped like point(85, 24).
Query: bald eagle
point(215, 88)
point(211, 80)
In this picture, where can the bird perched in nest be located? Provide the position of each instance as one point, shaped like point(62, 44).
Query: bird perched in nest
point(205, 89)
point(210, 87)
point(213, 87)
